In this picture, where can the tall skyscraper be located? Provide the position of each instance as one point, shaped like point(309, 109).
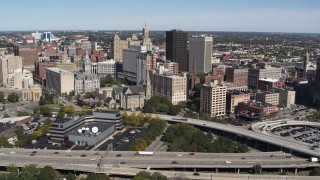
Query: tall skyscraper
point(146, 39)
point(177, 48)
point(318, 75)
point(200, 48)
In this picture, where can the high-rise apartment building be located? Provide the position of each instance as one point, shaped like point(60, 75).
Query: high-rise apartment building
point(164, 83)
point(59, 81)
point(200, 49)
point(177, 48)
point(287, 97)
point(213, 99)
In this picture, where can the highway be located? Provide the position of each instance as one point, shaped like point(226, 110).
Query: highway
point(267, 138)
point(158, 160)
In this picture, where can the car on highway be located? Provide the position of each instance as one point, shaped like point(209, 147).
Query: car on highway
point(56, 153)
point(196, 174)
point(12, 152)
point(83, 155)
point(179, 155)
point(228, 162)
point(243, 158)
point(191, 154)
point(174, 162)
point(96, 154)
point(68, 155)
point(123, 162)
point(92, 159)
point(32, 154)
point(119, 155)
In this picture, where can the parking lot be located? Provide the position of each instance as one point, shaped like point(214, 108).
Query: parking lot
point(308, 134)
point(123, 141)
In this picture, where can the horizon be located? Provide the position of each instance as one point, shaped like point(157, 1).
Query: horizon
point(296, 16)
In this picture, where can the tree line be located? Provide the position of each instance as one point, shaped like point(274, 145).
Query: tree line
point(186, 138)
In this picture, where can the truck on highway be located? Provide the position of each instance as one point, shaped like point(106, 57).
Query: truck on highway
point(314, 159)
point(180, 119)
point(145, 153)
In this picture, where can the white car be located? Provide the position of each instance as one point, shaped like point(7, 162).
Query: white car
point(228, 162)
point(12, 152)
point(93, 159)
point(179, 155)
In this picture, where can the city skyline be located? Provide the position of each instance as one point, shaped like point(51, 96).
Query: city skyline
point(203, 15)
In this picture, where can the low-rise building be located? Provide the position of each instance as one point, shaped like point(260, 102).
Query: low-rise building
point(233, 98)
point(86, 83)
point(61, 128)
point(130, 97)
point(253, 110)
point(268, 97)
point(287, 97)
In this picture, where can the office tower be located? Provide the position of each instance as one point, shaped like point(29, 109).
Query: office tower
point(164, 83)
point(200, 48)
point(177, 48)
point(146, 39)
point(213, 99)
point(318, 76)
point(59, 81)
point(305, 65)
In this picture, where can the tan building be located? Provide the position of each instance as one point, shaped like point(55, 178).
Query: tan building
point(67, 66)
point(119, 45)
point(8, 64)
point(234, 98)
point(268, 97)
point(213, 99)
point(19, 79)
point(164, 83)
point(59, 81)
point(146, 40)
point(255, 74)
point(287, 97)
point(33, 93)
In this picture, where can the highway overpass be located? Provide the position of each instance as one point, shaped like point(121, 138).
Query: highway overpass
point(290, 144)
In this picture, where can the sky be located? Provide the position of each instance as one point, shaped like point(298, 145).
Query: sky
point(301, 16)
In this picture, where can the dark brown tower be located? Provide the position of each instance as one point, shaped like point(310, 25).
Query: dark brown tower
point(177, 48)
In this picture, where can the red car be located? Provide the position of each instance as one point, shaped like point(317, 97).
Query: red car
point(83, 155)
point(174, 162)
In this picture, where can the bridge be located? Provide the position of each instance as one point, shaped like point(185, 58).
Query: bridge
point(287, 143)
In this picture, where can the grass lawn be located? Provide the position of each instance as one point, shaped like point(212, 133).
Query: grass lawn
point(54, 106)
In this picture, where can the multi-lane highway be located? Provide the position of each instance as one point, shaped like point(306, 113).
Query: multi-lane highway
point(158, 160)
point(267, 138)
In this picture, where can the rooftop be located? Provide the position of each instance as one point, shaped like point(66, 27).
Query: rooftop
point(86, 129)
point(13, 119)
point(58, 70)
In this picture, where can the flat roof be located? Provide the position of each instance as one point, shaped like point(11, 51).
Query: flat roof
point(101, 127)
point(58, 70)
point(13, 119)
point(107, 111)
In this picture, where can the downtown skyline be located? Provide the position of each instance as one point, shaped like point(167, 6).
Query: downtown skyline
point(203, 15)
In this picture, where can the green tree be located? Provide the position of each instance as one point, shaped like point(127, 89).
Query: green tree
point(13, 98)
point(13, 169)
point(139, 145)
point(1, 96)
point(93, 176)
point(4, 142)
point(42, 101)
point(45, 111)
point(174, 110)
point(70, 110)
point(48, 173)
point(142, 175)
point(29, 172)
point(256, 169)
point(71, 176)
point(6, 115)
point(158, 176)
point(315, 172)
